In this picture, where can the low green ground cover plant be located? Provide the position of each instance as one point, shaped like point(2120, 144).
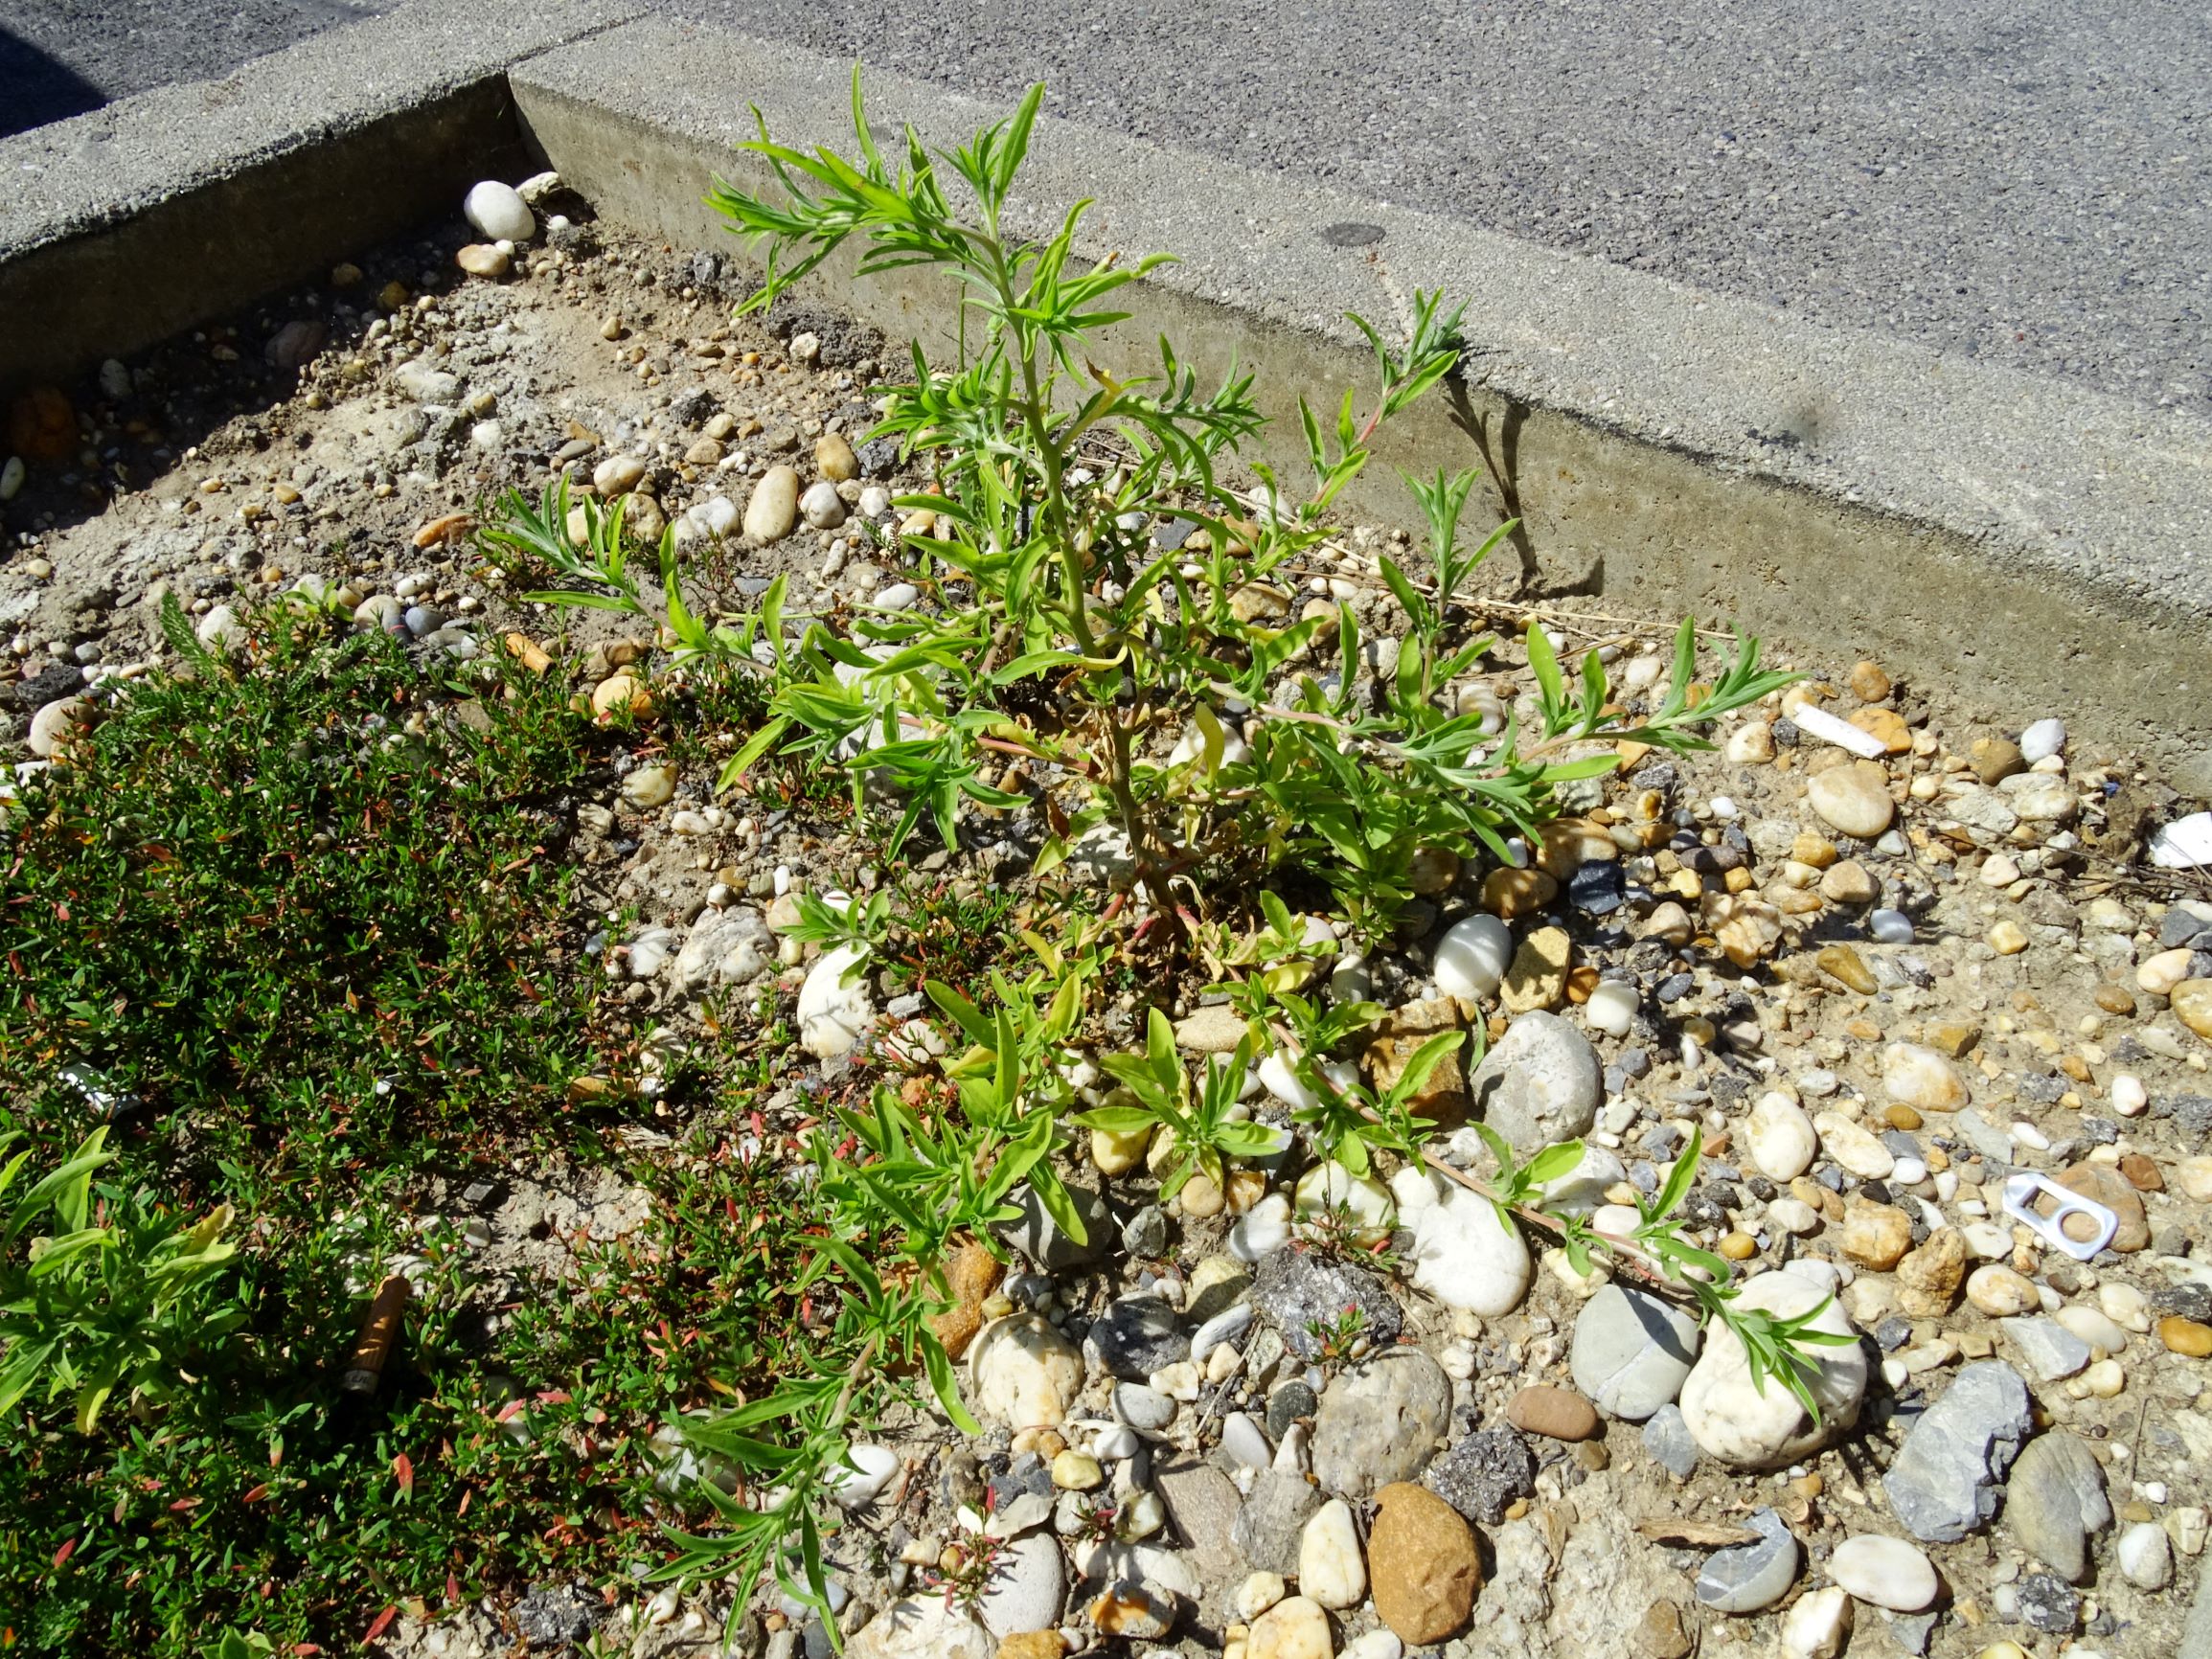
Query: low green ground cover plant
point(287, 935)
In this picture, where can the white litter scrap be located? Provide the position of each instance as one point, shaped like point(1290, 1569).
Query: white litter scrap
point(1822, 724)
point(2185, 843)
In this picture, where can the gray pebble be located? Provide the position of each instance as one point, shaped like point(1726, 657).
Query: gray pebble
point(1753, 1577)
point(1890, 926)
point(1667, 1437)
point(1947, 1478)
point(1143, 1408)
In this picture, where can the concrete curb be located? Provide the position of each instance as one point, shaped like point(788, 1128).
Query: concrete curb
point(2009, 540)
point(2015, 545)
point(127, 224)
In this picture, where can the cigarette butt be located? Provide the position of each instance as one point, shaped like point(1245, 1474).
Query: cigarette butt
point(380, 1331)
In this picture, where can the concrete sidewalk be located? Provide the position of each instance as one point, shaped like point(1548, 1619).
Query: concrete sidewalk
point(2020, 182)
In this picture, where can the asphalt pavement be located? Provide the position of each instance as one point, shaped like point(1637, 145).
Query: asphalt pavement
point(2024, 182)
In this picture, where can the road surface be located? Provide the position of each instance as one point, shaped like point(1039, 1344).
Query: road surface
point(2024, 182)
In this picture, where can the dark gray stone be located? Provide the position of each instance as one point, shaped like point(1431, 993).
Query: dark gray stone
point(555, 1616)
point(1288, 1402)
point(2192, 1115)
point(2190, 1300)
point(1485, 1474)
point(50, 684)
point(2048, 1603)
point(1144, 1234)
point(1945, 1481)
point(1296, 1289)
point(1136, 1337)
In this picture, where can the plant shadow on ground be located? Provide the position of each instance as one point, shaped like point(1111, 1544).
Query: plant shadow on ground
point(301, 927)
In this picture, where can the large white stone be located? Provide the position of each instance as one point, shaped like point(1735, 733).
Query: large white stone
point(2185, 843)
point(1582, 1189)
point(1462, 1254)
point(1816, 1624)
point(724, 947)
point(1750, 1427)
point(1296, 1628)
point(1028, 1588)
point(923, 1628)
point(1782, 1139)
point(1330, 1569)
point(1540, 1084)
point(1886, 1572)
point(499, 213)
point(2042, 740)
point(58, 724)
point(833, 1014)
point(220, 631)
point(1279, 1080)
point(2146, 1555)
point(1024, 1374)
point(1918, 1077)
point(1472, 959)
point(859, 1486)
point(1853, 1147)
point(1612, 1007)
point(1327, 1187)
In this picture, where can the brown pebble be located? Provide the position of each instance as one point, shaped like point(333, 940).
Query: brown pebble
point(1868, 683)
point(1849, 882)
point(1424, 1564)
point(1844, 964)
point(972, 1275)
point(2115, 999)
point(447, 526)
point(1033, 1645)
point(1902, 1117)
point(2142, 1174)
point(1552, 1412)
point(2103, 1184)
point(1510, 892)
point(1591, 1455)
point(1996, 758)
point(1887, 727)
point(482, 259)
point(1953, 1037)
point(2185, 1336)
point(529, 653)
point(1659, 1632)
point(1739, 1246)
